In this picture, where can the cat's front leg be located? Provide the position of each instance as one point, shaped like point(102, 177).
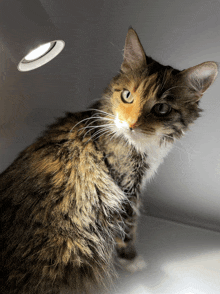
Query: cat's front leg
point(127, 256)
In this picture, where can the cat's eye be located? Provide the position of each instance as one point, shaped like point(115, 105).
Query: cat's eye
point(161, 109)
point(126, 96)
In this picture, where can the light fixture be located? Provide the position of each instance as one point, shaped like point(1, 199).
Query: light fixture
point(38, 52)
point(28, 33)
point(41, 55)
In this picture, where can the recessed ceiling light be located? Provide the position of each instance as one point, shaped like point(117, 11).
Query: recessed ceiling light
point(38, 52)
point(41, 55)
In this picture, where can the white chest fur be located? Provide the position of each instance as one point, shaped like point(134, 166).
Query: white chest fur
point(155, 156)
point(151, 145)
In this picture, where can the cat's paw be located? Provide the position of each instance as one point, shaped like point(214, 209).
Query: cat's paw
point(134, 265)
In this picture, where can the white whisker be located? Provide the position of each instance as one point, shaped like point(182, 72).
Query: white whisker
point(114, 135)
point(108, 132)
point(89, 125)
point(81, 122)
point(93, 127)
point(106, 113)
point(98, 132)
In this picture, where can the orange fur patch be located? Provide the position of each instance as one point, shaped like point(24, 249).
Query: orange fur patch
point(130, 112)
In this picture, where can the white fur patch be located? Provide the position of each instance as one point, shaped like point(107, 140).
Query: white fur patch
point(143, 143)
point(155, 156)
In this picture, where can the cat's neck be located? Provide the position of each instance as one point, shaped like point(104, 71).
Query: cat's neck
point(156, 152)
point(119, 154)
point(153, 146)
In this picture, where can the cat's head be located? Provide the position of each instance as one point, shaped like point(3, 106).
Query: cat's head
point(150, 100)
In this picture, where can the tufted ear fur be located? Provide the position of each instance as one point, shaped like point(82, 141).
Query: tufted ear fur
point(134, 55)
point(200, 77)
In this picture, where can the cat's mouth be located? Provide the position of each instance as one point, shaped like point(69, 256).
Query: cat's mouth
point(135, 135)
point(131, 133)
point(125, 127)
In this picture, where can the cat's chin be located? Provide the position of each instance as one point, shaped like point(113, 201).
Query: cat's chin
point(139, 140)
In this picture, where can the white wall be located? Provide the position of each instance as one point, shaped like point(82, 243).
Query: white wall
point(178, 33)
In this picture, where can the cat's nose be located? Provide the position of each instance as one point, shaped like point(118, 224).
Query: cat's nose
point(132, 126)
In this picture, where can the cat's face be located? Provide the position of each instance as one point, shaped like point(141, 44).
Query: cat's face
point(149, 100)
point(154, 105)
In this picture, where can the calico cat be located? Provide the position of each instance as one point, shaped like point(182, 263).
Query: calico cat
point(70, 201)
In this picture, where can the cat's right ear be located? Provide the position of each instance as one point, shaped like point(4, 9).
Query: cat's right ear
point(134, 55)
point(200, 77)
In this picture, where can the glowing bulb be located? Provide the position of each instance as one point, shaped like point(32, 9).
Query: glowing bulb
point(41, 55)
point(36, 53)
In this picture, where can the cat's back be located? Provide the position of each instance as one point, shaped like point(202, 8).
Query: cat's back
point(49, 203)
point(52, 147)
point(50, 167)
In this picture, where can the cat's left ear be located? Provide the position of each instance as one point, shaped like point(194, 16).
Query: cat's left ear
point(134, 55)
point(201, 76)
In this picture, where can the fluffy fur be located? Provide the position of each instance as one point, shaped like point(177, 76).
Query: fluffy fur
point(71, 199)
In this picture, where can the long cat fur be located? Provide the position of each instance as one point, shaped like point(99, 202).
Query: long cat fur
point(71, 199)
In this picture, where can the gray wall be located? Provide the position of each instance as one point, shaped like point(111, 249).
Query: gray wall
point(178, 33)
